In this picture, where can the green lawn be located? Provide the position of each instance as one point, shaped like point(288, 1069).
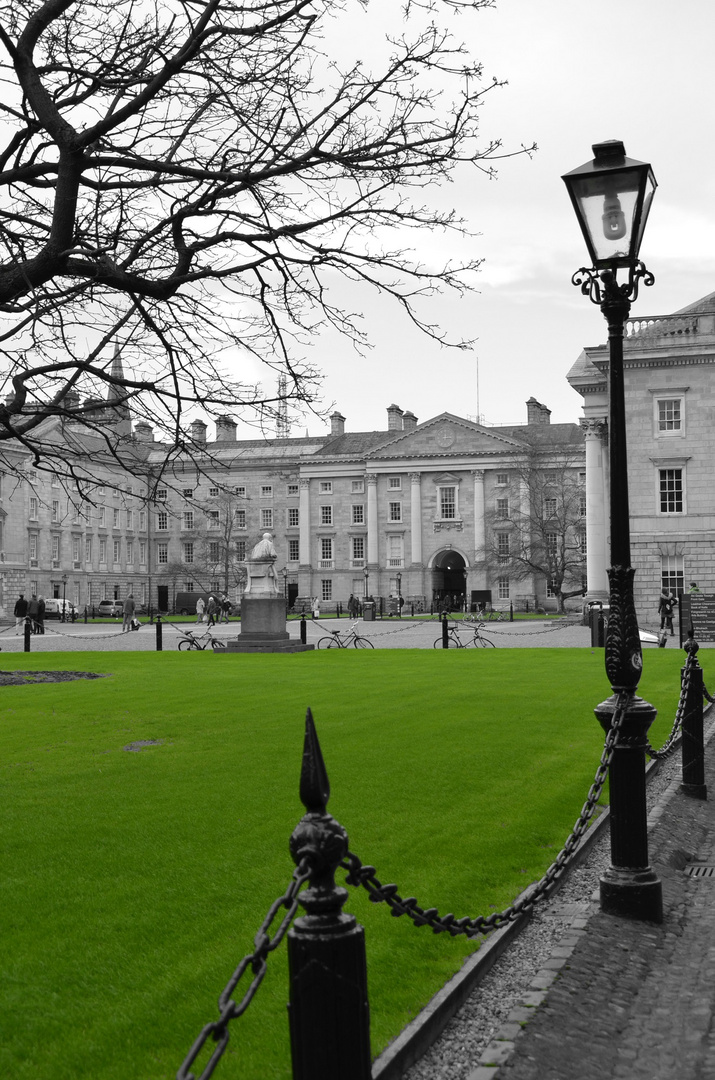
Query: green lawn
point(133, 882)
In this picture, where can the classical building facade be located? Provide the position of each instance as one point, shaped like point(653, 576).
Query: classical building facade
point(410, 508)
point(669, 369)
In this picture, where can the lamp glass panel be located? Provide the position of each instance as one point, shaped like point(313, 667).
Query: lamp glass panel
point(608, 205)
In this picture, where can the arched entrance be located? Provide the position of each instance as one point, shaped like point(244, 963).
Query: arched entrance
point(448, 578)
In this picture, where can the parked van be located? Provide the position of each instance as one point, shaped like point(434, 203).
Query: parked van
point(185, 603)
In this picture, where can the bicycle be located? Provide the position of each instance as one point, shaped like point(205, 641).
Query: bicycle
point(492, 614)
point(454, 641)
point(342, 639)
point(190, 641)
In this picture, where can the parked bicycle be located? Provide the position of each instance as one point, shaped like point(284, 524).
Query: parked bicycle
point(343, 639)
point(454, 641)
point(492, 614)
point(202, 641)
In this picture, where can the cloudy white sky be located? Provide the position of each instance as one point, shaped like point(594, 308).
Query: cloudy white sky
point(635, 70)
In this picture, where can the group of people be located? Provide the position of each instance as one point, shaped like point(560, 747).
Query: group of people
point(666, 606)
point(215, 610)
point(34, 610)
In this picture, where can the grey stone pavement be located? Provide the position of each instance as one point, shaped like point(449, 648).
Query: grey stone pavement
point(621, 998)
point(384, 634)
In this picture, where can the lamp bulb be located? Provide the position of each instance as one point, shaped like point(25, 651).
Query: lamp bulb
point(614, 220)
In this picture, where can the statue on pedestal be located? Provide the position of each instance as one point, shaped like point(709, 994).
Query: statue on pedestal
point(261, 570)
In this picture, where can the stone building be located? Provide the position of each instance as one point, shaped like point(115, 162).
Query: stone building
point(669, 369)
point(409, 508)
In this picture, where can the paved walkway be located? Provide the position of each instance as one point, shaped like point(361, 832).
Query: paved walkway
point(626, 999)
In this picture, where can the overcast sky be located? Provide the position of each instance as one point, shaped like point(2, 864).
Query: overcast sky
point(635, 70)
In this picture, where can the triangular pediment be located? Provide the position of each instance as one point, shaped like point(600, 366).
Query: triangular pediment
point(446, 435)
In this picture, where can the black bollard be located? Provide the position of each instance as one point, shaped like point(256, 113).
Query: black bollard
point(445, 632)
point(511, 612)
point(159, 642)
point(693, 751)
point(85, 614)
point(303, 630)
point(28, 631)
point(328, 1010)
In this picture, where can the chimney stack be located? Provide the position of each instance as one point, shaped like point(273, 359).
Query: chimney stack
point(198, 431)
point(337, 423)
point(394, 418)
point(536, 413)
point(409, 421)
point(144, 432)
point(225, 429)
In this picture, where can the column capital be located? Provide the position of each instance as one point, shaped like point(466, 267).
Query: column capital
point(594, 428)
point(304, 482)
point(415, 477)
point(371, 479)
point(478, 474)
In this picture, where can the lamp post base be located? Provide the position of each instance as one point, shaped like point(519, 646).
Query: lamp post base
point(637, 894)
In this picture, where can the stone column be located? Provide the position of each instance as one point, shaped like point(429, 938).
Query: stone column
point(305, 584)
point(416, 519)
point(596, 531)
point(372, 550)
point(479, 522)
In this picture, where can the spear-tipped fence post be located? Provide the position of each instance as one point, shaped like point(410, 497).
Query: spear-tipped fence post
point(303, 630)
point(159, 631)
point(445, 632)
point(328, 1010)
point(693, 753)
point(26, 633)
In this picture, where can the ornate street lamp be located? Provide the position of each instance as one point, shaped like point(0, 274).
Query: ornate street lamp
point(399, 594)
point(366, 572)
point(612, 196)
point(64, 596)
point(285, 583)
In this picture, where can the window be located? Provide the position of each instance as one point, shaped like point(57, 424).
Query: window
point(292, 490)
point(503, 508)
point(240, 491)
point(394, 511)
point(326, 515)
point(212, 516)
point(101, 490)
point(116, 550)
point(358, 549)
point(55, 481)
point(266, 491)
point(240, 519)
point(551, 588)
point(582, 506)
point(187, 493)
point(582, 543)
point(162, 521)
point(187, 519)
point(394, 483)
point(503, 588)
point(213, 493)
point(502, 479)
point(266, 518)
point(241, 550)
point(672, 574)
point(188, 586)
point(76, 550)
point(671, 491)
point(55, 549)
point(103, 552)
point(326, 589)
point(326, 487)
point(130, 519)
point(503, 547)
point(326, 552)
point(670, 416)
point(549, 508)
point(33, 508)
point(395, 551)
point(55, 510)
point(214, 551)
point(33, 547)
point(115, 519)
point(88, 550)
point(142, 552)
point(102, 517)
point(293, 550)
point(357, 486)
point(130, 552)
point(551, 543)
point(162, 554)
point(188, 553)
point(293, 516)
point(358, 514)
point(448, 502)
point(142, 520)
point(161, 494)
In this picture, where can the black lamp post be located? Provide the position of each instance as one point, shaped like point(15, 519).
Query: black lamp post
point(612, 196)
point(399, 594)
point(64, 595)
point(285, 583)
point(366, 572)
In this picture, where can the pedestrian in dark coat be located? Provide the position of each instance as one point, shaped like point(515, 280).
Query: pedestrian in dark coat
point(20, 614)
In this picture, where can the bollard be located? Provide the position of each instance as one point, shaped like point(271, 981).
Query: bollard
point(328, 1009)
point(85, 614)
point(159, 642)
point(445, 632)
point(693, 749)
point(303, 630)
point(511, 612)
point(28, 629)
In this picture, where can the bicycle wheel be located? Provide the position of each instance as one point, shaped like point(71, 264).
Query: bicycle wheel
point(328, 643)
point(484, 642)
point(363, 643)
point(452, 643)
point(218, 645)
point(185, 645)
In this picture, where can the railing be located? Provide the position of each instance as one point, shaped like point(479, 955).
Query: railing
point(646, 332)
point(325, 564)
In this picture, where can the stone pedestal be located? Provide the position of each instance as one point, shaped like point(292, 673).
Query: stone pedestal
point(263, 627)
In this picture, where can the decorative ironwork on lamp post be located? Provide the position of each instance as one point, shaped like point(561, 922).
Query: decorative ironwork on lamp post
point(399, 594)
point(64, 597)
point(612, 196)
point(366, 572)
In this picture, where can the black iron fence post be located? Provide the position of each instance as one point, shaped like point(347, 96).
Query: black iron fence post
point(303, 630)
point(159, 631)
point(28, 631)
point(328, 1010)
point(445, 632)
point(693, 752)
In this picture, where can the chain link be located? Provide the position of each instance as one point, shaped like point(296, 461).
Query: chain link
point(229, 1010)
point(362, 874)
point(669, 745)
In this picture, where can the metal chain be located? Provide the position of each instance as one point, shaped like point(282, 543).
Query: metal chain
point(706, 695)
point(669, 745)
point(362, 874)
point(256, 961)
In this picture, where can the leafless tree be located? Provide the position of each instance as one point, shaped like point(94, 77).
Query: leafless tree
point(182, 180)
point(536, 531)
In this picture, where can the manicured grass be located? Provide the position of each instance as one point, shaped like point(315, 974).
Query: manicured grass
point(133, 882)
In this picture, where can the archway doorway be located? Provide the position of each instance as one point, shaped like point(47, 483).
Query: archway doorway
point(448, 579)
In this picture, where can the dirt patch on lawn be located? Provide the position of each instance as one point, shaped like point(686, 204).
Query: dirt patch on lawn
point(24, 678)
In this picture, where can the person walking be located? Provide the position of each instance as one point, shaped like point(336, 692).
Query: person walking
point(665, 609)
point(20, 614)
point(693, 587)
point(40, 614)
point(225, 608)
point(212, 610)
point(128, 617)
point(33, 609)
point(200, 609)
